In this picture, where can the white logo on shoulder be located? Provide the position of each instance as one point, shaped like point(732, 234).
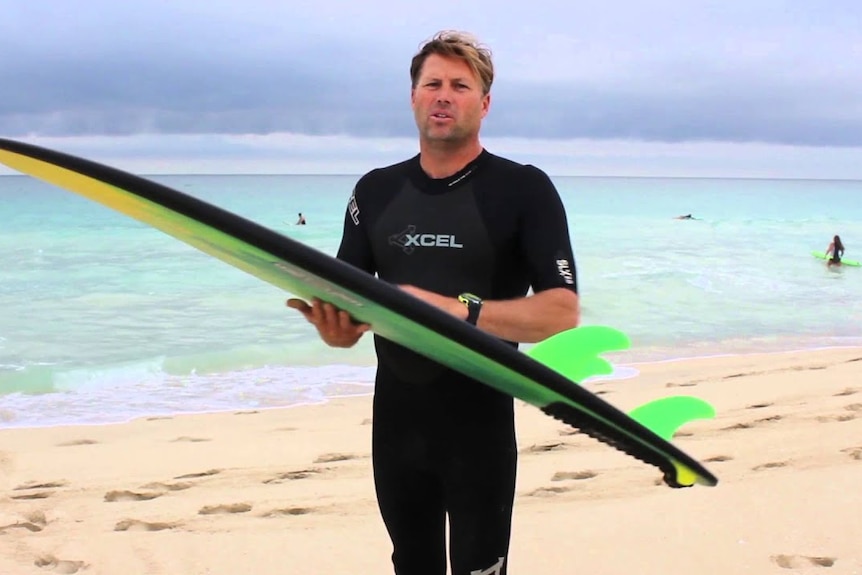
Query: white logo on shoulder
point(495, 569)
point(565, 271)
point(353, 208)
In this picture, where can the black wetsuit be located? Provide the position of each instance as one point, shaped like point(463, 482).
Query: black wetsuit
point(442, 442)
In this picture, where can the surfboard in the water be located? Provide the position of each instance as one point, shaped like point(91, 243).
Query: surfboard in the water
point(823, 256)
point(391, 312)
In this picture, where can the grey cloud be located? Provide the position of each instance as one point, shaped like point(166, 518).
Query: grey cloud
point(778, 72)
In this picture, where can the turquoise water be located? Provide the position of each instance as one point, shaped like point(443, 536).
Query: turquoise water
point(103, 318)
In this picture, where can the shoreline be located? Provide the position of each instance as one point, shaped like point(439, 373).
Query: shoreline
point(623, 371)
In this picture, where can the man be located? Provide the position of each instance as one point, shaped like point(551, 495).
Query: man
point(470, 233)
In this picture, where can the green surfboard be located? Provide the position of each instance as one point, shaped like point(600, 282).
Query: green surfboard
point(392, 313)
point(852, 263)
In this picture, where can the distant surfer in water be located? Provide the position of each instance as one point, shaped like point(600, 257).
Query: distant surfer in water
point(685, 217)
point(836, 250)
point(301, 220)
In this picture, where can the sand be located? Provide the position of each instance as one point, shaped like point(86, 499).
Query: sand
point(290, 491)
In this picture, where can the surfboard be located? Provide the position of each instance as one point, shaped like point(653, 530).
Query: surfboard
point(852, 263)
point(392, 313)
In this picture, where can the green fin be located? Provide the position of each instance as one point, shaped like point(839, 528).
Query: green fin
point(664, 416)
point(574, 352)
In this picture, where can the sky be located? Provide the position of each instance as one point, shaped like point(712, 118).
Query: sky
point(686, 88)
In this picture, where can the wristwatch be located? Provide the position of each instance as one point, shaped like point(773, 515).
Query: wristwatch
point(474, 306)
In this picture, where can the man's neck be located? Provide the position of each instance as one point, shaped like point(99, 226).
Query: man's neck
point(441, 161)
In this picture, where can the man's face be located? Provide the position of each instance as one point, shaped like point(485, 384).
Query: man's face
point(448, 102)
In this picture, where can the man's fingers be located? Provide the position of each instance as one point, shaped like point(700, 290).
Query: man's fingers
point(298, 304)
point(346, 323)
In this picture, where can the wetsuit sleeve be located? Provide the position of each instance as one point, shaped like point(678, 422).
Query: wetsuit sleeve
point(545, 235)
point(355, 247)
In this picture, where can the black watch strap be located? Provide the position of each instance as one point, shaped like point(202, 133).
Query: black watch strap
point(474, 306)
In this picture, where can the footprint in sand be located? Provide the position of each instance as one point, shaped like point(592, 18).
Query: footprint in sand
point(159, 418)
point(5, 461)
point(548, 491)
point(544, 447)
point(226, 508)
point(770, 418)
point(114, 496)
point(76, 442)
point(718, 458)
point(292, 476)
point(759, 405)
point(840, 418)
point(576, 475)
point(59, 565)
point(366, 421)
point(288, 511)
point(802, 561)
point(333, 457)
point(206, 473)
point(853, 407)
point(770, 465)
point(137, 525)
point(40, 485)
point(747, 425)
point(31, 527)
point(808, 367)
point(159, 486)
point(684, 384)
point(252, 412)
point(854, 452)
point(34, 522)
point(735, 375)
point(848, 391)
point(755, 423)
point(186, 438)
point(33, 496)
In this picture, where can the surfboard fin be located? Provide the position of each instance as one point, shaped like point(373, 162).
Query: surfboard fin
point(574, 353)
point(664, 416)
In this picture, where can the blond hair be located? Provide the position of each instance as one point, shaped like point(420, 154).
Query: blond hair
point(461, 45)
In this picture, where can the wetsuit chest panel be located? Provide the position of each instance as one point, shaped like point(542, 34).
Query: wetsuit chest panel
point(435, 241)
point(438, 242)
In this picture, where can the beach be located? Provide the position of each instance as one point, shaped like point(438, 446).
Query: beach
point(289, 490)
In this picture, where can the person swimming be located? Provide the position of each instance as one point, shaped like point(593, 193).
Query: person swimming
point(301, 220)
point(835, 250)
point(685, 217)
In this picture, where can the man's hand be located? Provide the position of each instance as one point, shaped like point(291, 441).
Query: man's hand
point(335, 326)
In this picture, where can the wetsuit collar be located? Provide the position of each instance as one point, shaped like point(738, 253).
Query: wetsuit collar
point(442, 185)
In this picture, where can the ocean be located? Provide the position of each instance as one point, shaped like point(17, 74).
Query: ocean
point(103, 319)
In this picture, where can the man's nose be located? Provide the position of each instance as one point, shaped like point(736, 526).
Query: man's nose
point(444, 95)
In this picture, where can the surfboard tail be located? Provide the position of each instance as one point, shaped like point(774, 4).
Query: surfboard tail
point(674, 473)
